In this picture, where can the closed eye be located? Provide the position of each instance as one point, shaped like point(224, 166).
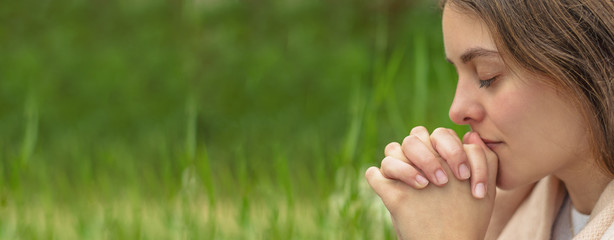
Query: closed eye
point(486, 83)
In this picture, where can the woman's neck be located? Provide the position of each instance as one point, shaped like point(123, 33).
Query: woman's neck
point(584, 182)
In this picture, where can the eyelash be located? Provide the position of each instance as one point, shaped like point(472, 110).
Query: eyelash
point(486, 83)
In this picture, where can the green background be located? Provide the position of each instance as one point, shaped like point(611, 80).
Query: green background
point(210, 119)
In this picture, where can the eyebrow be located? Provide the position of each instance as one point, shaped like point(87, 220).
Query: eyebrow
point(476, 52)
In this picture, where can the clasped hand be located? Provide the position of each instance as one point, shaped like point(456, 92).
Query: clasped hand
point(436, 186)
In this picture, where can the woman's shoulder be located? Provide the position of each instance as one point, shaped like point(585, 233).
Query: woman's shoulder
point(609, 234)
point(507, 203)
point(600, 224)
point(529, 212)
point(526, 212)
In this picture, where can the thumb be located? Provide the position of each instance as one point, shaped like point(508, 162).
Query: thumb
point(473, 138)
point(492, 160)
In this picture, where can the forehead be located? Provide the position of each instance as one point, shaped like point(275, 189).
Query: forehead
point(463, 31)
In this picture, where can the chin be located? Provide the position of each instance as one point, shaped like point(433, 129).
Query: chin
point(506, 185)
point(510, 181)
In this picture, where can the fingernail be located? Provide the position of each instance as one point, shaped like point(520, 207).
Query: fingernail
point(480, 191)
point(421, 180)
point(464, 171)
point(467, 133)
point(441, 177)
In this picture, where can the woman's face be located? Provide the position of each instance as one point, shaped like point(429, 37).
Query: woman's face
point(534, 130)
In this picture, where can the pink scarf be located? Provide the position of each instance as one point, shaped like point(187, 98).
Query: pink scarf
point(530, 212)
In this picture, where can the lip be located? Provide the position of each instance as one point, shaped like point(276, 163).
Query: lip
point(491, 143)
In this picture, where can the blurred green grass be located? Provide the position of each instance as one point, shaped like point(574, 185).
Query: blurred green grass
point(209, 119)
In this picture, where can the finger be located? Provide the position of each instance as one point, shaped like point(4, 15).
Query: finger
point(465, 137)
point(491, 158)
point(474, 138)
point(394, 150)
point(386, 189)
point(450, 148)
point(375, 178)
point(479, 169)
point(424, 159)
point(423, 134)
point(396, 169)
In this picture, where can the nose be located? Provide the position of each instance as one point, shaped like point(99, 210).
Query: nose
point(466, 107)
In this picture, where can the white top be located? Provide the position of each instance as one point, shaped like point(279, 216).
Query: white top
point(569, 218)
point(609, 233)
point(578, 220)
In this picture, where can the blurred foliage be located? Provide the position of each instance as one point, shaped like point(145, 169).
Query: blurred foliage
point(218, 103)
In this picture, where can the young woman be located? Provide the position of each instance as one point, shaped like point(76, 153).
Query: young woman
point(536, 85)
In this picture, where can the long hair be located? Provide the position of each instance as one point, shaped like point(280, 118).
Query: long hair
point(570, 42)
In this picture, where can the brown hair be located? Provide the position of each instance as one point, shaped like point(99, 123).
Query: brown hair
point(569, 41)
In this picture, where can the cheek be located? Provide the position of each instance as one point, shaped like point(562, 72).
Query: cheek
point(517, 118)
point(508, 112)
point(541, 133)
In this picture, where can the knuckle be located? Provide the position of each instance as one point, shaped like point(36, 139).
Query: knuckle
point(428, 162)
point(388, 167)
point(437, 134)
point(418, 129)
point(369, 173)
point(440, 130)
point(385, 162)
point(410, 139)
point(372, 177)
point(456, 154)
point(391, 147)
point(387, 172)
